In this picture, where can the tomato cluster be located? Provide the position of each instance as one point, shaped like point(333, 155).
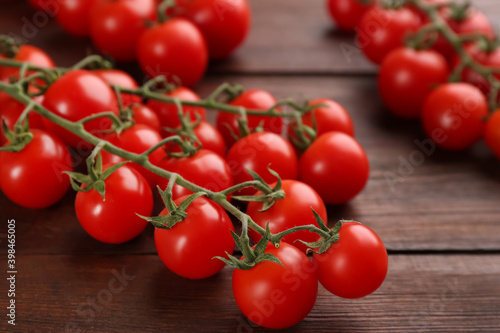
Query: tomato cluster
point(413, 79)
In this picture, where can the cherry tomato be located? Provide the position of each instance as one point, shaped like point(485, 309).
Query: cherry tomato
point(294, 210)
point(492, 133)
point(33, 177)
point(407, 76)
point(356, 265)
point(175, 49)
point(122, 79)
point(205, 168)
point(76, 95)
point(331, 117)
point(209, 137)
point(453, 115)
point(188, 248)
point(111, 20)
point(223, 23)
point(383, 30)
point(114, 220)
point(256, 152)
point(273, 296)
point(251, 99)
point(336, 166)
point(74, 16)
point(30, 54)
point(168, 113)
point(136, 139)
point(144, 115)
point(347, 13)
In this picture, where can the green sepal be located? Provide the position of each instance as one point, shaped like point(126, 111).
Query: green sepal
point(237, 239)
point(257, 177)
point(268, 257)
point(321, 223)
point(261, 245)
point(235, 262)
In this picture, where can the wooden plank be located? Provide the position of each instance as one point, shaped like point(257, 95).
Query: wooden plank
point(421, 293)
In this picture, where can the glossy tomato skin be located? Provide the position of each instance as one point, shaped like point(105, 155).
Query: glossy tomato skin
point(122, 79)
point(114, 220)
point(168, 113)
point(30, 54)
point(223, 23)
point(175, 49)
point(492, 133)
point(406, 78)
point(356, 265)
point(251, 99)
point(209, 137)
point(205, 168)
point(336, 166)
point(110, 21)
point(145, 116)
point(288, 292)
point(76, 95)
point(74, 16)
point(33, 177)
point(383, 30)
point(294, 210)
point(188, 248)
point(136, 139)
point(453, 116)
point(347, 13)
point(258, 151)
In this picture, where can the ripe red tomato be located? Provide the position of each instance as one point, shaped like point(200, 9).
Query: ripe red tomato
point(273, 296)
point(453, 115)
point(30, 54)
point(33, 177)
point(407, 76)
point(347, 13)
point(122, 79)
point(336, 166)
point(331, 117)
point(223, 23)
point(209, 137)
point(167, 113)
point(492, 133)
point(175, 49)
point(111, 20)
point(383, 30)
point(145, 116)
point(76, 95)
point(114, 220)
point(74, 16)
point(294, 210)
point(136, 139)
point(251, 99)
point(188, 248)
point(256, 152)
point(205, 168)
point(356, 265)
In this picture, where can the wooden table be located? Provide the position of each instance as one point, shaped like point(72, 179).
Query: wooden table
point(440, 220)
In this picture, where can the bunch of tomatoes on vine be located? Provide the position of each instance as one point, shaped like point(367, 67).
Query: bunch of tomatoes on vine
point(439, 61)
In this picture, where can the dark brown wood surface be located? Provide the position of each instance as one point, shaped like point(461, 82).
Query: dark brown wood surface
point(440, 220)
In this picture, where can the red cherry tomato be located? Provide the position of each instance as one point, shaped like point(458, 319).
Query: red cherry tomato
point(30, 54)
point(145, 116)
point(347, 13)
point(136, 139)
point(331, 117)
point(294, 210)
point(76, 95)
point(111, 20)
point(188, 248)
point(273, 296)
point(251, 99)
point(74, 16)
point(356, 265)
point(407, 76)
point(336, 166)
point(383, 30)
point(205, 168)
point(492, 133)
point(114, 220)
point(175, 49)
point(223, 23)
point(122, 79)
point(209, 137)
point(453, 115)
point(168, 113)
point(33, 177)
point(256, 152)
